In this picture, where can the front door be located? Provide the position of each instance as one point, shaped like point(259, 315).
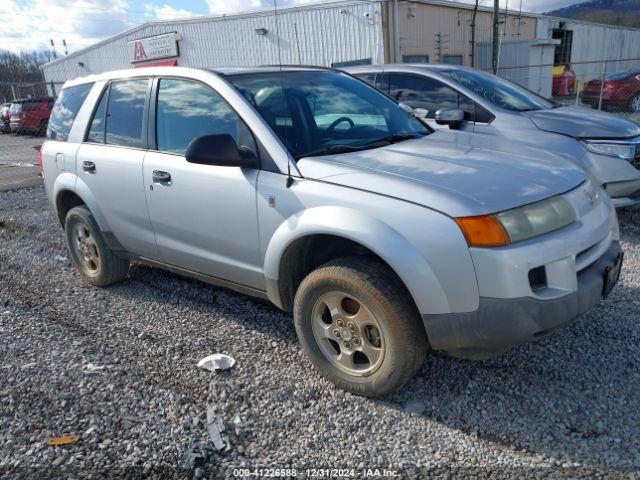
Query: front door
point(204, 216)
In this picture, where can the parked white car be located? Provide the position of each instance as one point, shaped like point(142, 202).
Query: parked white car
point(605, 145)
point(382, 239)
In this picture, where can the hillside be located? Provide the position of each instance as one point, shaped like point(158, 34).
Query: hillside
point(624, 13)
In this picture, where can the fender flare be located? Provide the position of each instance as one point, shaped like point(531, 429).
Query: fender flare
point(69, 181)
point(406, 260)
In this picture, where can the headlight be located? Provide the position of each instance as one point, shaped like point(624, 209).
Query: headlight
point(537, 218)
point(611, 149)
point(517, 224)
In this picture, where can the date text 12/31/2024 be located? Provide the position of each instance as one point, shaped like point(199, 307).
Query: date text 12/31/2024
point(316, 472)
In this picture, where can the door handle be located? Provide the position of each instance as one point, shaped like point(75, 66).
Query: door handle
point(161, 177)
point(88, 166)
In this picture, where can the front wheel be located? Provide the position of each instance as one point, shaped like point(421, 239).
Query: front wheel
point(89, 251)
point(359, 326)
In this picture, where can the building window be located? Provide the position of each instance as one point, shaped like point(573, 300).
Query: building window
point(452, 59)
point(415, 59)
point(352, 63)
point(562, 55)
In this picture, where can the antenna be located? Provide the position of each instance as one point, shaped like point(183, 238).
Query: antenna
point(284, 100)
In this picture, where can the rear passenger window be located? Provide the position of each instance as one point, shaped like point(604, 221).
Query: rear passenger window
point(65, 110)
point(187, 110)
point(125, 110)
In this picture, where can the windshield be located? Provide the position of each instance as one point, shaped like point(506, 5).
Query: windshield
point(498, 91)
point(324, 112)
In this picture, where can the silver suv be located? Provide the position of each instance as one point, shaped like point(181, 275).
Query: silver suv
point(314, 190)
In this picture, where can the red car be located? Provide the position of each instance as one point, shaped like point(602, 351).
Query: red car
point(30, 115)
point(620, 92)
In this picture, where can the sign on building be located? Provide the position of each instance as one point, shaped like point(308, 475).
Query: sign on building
point(153, 48)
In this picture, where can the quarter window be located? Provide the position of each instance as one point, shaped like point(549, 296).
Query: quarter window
point(65, 110)
point(96, 130)
point(187, 110)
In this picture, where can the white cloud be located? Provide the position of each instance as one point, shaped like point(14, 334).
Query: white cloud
point(236, 6)
point(31, 25)
point(233, 6)
point(166, 12)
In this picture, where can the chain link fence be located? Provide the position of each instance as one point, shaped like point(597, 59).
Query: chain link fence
point(609, 85)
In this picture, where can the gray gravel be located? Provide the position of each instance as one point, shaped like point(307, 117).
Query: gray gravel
point(567, 406)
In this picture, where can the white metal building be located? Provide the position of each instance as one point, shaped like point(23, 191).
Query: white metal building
point(352, 32)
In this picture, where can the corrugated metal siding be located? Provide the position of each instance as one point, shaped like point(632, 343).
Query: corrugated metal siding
point(593, 43)
point(325, 35)
point(419, 24)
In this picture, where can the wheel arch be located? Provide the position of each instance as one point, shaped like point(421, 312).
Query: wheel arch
point(68, 192)
point(334, 229)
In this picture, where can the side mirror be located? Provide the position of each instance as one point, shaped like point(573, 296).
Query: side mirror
point(221, 150)
point(450, 116)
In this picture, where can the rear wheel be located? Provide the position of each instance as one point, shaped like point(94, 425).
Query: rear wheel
point(359, 327)
point(89, 251)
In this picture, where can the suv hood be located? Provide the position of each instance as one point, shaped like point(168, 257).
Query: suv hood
point(449, 173)
point(582, 122)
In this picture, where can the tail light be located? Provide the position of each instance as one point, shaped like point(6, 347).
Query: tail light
point(40, 159)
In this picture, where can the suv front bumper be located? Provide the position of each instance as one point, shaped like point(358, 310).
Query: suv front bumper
point(501, 323)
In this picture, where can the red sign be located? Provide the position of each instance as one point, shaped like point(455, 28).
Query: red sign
point(138, 52)
point(167, 63)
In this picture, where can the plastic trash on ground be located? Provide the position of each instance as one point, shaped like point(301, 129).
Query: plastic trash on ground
point(217, 361)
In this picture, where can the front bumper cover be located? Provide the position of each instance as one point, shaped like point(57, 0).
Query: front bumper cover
point(499, 324)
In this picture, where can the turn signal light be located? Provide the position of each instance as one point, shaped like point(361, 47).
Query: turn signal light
point(483, 231)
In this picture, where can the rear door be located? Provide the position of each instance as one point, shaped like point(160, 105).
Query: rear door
point(109, 162)
point(204, 216)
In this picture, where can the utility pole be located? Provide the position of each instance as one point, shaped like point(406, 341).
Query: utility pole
point(496, 36)
point(473, 35)
point(53, 48)
point(396, 34)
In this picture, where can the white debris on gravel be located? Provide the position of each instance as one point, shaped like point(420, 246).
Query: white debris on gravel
point(217, 361)
point(566, 406)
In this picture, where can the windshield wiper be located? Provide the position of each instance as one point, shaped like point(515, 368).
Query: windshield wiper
point(336, 149)
point(377, 143)
point(395, 138)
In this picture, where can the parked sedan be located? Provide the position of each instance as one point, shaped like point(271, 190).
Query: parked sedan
point(620, 92)
point(461, 98)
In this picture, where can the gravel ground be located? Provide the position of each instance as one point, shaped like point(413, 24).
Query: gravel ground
point(567, 406)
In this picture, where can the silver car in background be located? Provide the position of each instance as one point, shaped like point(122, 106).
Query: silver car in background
point(607, 146)
point(310, 188)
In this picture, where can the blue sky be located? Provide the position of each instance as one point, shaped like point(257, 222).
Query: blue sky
point(31, 24)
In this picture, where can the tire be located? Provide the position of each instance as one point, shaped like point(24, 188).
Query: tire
point(365, 292)
point(89, 251)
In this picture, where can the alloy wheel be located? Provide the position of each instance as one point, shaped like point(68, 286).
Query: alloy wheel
point(348, 335)
point(86, 249)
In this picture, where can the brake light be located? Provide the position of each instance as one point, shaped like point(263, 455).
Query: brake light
point(40, 159)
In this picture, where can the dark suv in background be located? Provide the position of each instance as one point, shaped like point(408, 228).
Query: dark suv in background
point(30, 115)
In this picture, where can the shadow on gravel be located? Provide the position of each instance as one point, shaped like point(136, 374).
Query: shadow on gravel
point(572, 396)
point(148, 283)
